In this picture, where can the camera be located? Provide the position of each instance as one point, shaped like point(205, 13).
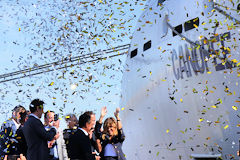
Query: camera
point(56, 117)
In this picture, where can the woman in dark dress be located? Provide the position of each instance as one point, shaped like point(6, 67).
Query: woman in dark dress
point(22, 144)
point(111, 137)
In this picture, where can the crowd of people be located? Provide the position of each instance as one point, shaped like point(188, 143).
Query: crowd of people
point(24, 136)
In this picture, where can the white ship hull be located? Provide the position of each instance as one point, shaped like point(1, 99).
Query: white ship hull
point(171, 111)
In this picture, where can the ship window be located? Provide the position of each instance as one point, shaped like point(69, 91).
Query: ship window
point(160, 2)
point(134, 53)
point(178, 29)
point(206, 156)
point(193, 23)
point(147, 45)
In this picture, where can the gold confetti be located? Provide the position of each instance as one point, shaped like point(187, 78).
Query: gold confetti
point(208, 138)
point(214, 106)
point(226, 127)
point(220, 100)
point(234, 108)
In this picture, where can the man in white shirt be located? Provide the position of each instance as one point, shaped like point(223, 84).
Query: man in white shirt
point(49, 122)
point(61, 145)
point(57, 146)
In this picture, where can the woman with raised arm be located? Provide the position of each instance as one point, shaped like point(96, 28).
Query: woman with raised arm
point(111, 137)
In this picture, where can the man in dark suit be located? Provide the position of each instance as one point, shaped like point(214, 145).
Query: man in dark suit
point(79, 142)
point(36, 136)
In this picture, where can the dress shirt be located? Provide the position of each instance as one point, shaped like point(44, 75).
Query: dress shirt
point(16, 124)
point(109, 151)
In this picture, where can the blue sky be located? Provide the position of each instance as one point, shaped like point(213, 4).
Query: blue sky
point(38, 32)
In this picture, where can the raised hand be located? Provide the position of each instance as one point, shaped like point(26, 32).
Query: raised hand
point(116, 113)
point(103, 111)
point(103, 114)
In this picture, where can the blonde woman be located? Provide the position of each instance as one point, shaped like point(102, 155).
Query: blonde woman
point(111, 137)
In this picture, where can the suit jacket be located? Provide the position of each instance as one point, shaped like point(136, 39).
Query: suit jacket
point(61, 147)
point(7, 134)
point(80, 146)
point(66, 136)
point(37, 138)
point(22, 144)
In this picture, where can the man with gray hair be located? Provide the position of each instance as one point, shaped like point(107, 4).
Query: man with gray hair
point(79, 141)
point(57, 145)
point(72, 124)
point(8, 131)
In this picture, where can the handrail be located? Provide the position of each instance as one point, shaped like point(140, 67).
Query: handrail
point(224, 13)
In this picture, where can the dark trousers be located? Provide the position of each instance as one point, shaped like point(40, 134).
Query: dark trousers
point(53, 158)
point(110, 158)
